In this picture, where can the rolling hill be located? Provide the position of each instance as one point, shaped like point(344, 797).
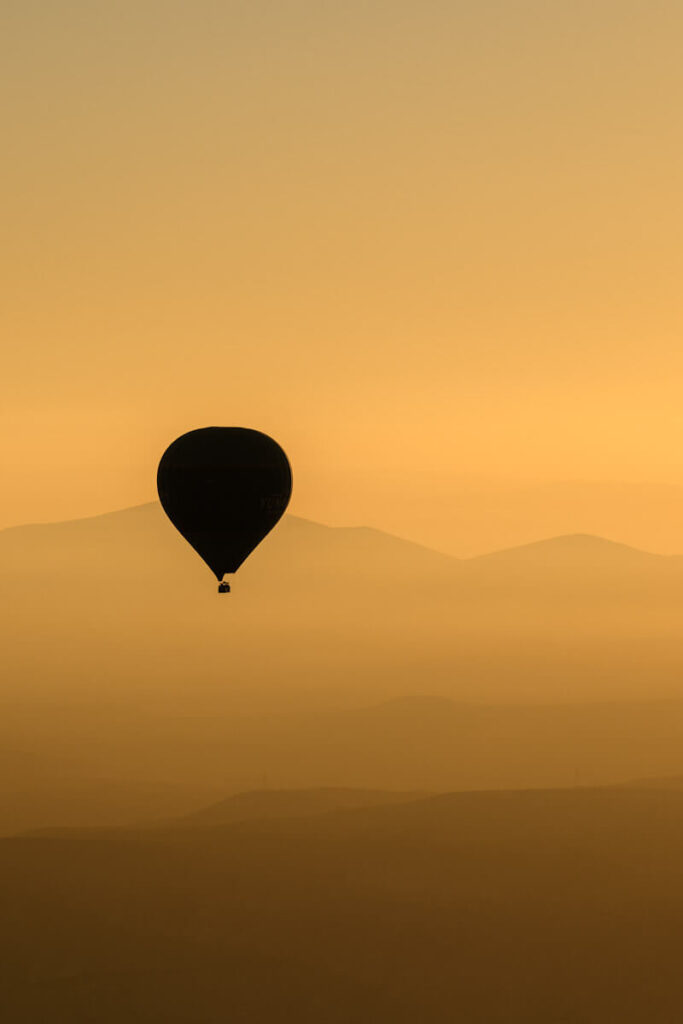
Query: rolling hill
point(491, 908)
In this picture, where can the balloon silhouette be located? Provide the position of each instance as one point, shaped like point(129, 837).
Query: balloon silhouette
point(224, 489)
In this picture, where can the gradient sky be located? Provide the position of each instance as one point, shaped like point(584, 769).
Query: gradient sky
point(421, 243)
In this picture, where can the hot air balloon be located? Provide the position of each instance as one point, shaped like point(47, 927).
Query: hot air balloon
point(224, 489)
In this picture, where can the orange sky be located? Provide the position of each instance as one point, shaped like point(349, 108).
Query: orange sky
point(434, 248)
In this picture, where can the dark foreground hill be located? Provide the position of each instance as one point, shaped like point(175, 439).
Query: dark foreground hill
point(486, 908)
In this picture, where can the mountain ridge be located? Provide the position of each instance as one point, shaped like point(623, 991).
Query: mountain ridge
point(564, 543)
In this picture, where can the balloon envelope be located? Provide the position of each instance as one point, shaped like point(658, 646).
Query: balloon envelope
point(224, 489)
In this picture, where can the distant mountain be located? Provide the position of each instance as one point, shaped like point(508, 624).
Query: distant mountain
point(120, 659)
point(572, 550)
point(140, 544)
point(140, 541)
point(474, 516)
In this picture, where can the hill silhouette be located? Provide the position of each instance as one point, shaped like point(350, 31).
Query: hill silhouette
point(577, 550)
point(484, 907)
point(160, 767)
point(254, 805)
point(140, 543)
point(270, 804)
point(129, 682)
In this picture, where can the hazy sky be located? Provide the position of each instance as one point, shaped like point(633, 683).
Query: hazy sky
point(418, 242)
